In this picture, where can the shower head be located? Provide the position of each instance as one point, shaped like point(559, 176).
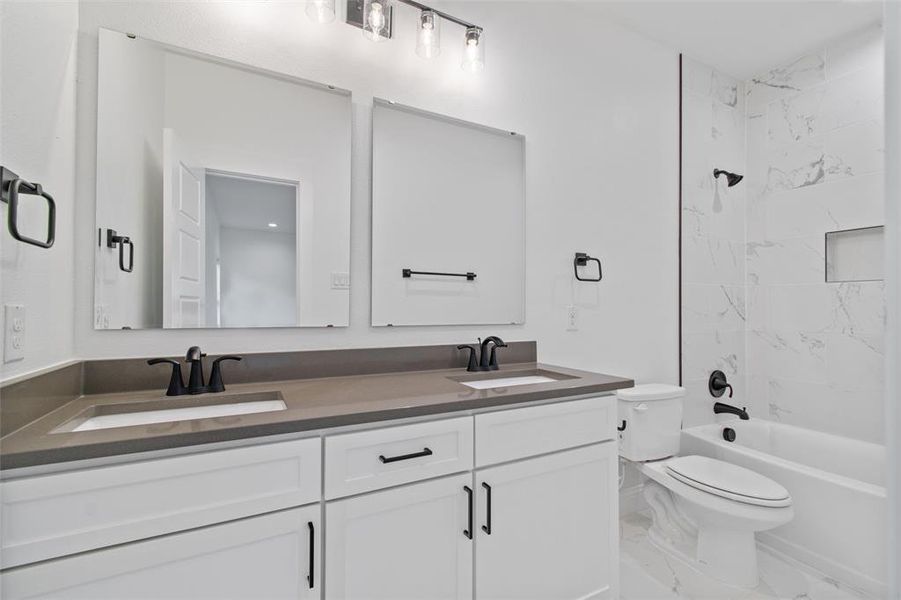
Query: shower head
point(731, 178)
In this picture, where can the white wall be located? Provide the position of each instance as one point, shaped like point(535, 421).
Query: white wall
point(37, 141)
point(893, 285)
point(601, 165)
point(259, 275)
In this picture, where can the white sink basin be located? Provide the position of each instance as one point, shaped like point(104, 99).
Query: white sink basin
point(485, 384)
point(127, 419)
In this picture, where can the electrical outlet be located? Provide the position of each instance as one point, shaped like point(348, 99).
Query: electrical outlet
point(572, 318)
point(340, 281)
point(14, 332)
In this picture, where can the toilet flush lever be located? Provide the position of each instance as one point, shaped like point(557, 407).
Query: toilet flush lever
point(641, 407)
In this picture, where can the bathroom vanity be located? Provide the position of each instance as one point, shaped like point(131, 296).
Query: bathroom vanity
point(420, 484)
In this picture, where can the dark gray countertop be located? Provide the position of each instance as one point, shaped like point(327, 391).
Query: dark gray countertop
point(311, 404)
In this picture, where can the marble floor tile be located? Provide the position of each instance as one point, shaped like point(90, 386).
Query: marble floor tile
point(647, 573)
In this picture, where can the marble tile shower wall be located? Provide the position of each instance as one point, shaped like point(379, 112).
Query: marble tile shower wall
point(713, 237)
point(815, 164)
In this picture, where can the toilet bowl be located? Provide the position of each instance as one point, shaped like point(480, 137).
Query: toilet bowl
point(704, 511)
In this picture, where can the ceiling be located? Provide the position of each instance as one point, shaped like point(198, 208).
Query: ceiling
point(743, 37)
point(251, 204)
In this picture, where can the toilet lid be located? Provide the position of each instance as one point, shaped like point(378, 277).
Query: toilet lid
point(728, 481)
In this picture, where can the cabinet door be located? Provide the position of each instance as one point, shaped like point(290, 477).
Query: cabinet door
point(546, 527)
point(402, 543)
point(260, 557)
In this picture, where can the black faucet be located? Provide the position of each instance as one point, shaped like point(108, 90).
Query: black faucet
point(487, 360)
point(195, 380)
point(720, 408)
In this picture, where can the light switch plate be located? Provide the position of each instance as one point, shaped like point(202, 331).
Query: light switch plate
point(13, 332)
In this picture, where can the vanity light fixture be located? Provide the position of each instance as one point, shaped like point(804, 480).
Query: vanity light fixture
point(273, 225)
point(321, 11)
point(428, 37)
point(376, 19)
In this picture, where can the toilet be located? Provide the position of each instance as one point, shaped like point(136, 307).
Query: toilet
point(705, 511)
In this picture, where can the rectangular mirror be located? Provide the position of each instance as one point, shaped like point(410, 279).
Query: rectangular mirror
point(448, 220)
point(223, 193)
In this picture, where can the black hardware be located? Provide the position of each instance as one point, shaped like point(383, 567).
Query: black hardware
point(468, 531)
point(176, 383)
point(473, 363)
point(11, 185)
point(622, 427)
point(581, 260)
point(720, 408)
point(409, 273)
point(487, 526)
point(216, 384)
point(310, 578)
point(195, 379)
point(731, 178)
point(112, 240)
point(489, 362)
point(391, 459)
point(729, 434)
point(717, 384)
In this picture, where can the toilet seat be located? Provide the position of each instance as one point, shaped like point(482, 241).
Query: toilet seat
point(728, 481)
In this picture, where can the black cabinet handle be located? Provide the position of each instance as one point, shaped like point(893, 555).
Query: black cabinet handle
point(310, 577)
point(487, 526)
point(468, 531)
point(391, 459)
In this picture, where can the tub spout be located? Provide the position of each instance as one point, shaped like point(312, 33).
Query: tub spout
point(720, 408)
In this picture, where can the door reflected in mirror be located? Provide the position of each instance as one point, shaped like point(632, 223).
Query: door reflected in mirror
point(231, 184)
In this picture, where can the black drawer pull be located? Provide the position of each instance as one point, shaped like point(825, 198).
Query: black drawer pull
point(310, 578)
point(468, 531)
point(391, 459)
point(487, 526)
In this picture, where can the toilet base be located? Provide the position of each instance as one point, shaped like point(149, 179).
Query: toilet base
point(726, 555)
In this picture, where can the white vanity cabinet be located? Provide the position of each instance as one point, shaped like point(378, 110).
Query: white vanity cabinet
point(546, 527)
point(273, 556)
point(403, 543)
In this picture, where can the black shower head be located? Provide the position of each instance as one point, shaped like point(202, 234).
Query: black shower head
point(731, 178)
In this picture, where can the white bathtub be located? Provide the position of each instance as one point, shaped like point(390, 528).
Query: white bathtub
point(837, 485)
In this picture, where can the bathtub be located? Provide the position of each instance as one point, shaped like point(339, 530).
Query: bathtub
point(837, 486)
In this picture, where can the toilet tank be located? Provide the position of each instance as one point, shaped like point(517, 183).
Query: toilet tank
point(653, 420)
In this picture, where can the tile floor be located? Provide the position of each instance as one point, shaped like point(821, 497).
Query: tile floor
point(646, 573)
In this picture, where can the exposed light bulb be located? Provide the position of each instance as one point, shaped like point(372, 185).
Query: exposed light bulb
point(273, 225)
point(378, 20)
point(428, 39)
point(474, 50)
point(321, 11)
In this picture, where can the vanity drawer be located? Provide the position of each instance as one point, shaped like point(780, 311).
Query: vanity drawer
point(520, 432)
point(64, 513)
point(363, 461)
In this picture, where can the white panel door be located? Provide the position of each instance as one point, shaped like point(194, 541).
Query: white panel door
point(184, 226)
point(261, 557)
point(549, 529)
point(402, 543)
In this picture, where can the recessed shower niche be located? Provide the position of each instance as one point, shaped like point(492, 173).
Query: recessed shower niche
point(244, 225)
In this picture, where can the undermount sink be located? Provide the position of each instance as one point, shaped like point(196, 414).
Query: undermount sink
point(502, 380)
point(128, 414)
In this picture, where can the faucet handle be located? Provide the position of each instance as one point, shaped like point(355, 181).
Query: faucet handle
point(176, 383)
point(473, 363)
point(216, 384)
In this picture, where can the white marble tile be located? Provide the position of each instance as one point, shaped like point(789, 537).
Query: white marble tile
point(709, 260)
point(726, 90)
point(710, 308)
point(803, 308)
point(796, 164)
point(795, 117)
point(853, 98)
point(858, 307)
point(846, 203)
point(704, 352)
point(854, 150)
point(648, 573)
point(696, 77)
point(855, 360)
point(716, 212)
point(791, 261)
point(788, 354)
point(863, 50)
point(777, 83)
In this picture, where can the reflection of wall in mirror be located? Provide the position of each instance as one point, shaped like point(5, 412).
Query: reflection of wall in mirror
point(300, 134)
